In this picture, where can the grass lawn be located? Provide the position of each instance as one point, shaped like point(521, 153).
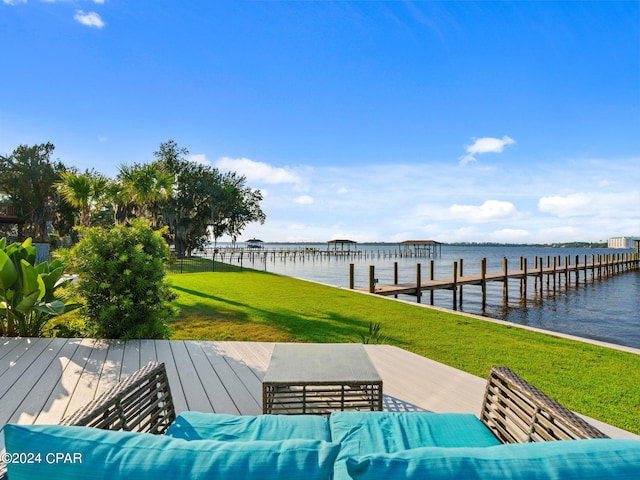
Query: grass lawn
point(258, 306)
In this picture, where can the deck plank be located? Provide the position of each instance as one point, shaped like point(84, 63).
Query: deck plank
point(194, 392)
point(112, 367)
point(165, 354)
point(57, 400)
point(245, 374)
point(87, 385)
point(217, 393)
point(14, 365)
point(7, 344)
point(243, 399)
point(43, 380)
point(254, 355)
point(34, 402)
point(131, 358)
point(148, 352)
point(21, 380)
point(22, 375)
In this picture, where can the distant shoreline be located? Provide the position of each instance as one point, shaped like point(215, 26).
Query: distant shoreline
point(463, 244)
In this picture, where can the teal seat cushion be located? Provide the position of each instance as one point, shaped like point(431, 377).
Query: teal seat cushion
point(362, 433)
point(71, 453)
point(219, 426)
point(568, 460)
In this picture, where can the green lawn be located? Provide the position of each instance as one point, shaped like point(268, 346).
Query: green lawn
point(258, 306)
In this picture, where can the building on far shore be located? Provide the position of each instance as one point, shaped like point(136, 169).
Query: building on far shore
point(622, 242)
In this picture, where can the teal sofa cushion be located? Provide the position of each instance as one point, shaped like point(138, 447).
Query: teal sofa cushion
point(362, 433)
point(219, 426)
point(65, 452)
point(567, 460)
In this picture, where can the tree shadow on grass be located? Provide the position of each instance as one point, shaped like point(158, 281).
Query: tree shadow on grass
point(324, 327)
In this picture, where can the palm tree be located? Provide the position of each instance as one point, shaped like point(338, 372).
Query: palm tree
point(82, 191)
point(114, 198)
point(144, 186)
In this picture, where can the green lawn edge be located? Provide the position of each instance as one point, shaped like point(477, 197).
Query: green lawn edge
point(257, 306)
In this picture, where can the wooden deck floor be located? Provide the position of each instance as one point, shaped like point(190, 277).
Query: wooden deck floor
point(42, 380)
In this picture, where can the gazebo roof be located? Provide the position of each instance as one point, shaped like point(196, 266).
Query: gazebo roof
point(420, 242)
point(342, 241)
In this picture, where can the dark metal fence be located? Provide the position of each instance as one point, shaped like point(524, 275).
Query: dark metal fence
point(207, 261)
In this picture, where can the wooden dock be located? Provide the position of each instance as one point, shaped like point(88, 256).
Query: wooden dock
point(600, 266)
point(229, 255)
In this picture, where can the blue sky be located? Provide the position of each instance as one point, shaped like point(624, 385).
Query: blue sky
point(373, 121)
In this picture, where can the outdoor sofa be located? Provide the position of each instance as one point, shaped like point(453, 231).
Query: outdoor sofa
point(513, 438)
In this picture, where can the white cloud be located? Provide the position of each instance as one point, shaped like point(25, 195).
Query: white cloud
point(564, 232)
point(304, 200)
point(14, 2)
point(566, 205)
point(489, 211)
point(604, 206)
point(485, 145)
point(456, 207)
point(90, 19)
point(257, 171)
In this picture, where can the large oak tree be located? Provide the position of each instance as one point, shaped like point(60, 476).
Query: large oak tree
point(29, 176)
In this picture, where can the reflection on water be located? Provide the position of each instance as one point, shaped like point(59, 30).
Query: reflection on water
point(606, 309)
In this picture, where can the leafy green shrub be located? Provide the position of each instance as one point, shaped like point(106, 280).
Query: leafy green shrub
point(29, 293)
point(121, 278)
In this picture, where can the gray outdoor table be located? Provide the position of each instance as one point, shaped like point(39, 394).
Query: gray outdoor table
point(319, 379)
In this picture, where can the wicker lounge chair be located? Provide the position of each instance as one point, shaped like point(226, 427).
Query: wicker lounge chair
point(517, 412)
point(140, 403)
point(514, 410)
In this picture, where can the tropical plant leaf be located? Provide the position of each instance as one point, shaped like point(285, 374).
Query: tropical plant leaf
point(27, 302)
point(42, 268)
point(8, 272)
point(31, 280)
point(51, 279)
point(27, 291)
point(57, 307)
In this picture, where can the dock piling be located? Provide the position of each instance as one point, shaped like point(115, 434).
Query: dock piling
point(455, 285)
point(603, 266)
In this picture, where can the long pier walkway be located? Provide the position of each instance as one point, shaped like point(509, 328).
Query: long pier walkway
point(599, 267)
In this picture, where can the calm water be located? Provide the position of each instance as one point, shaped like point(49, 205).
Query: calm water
point(607, 309)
